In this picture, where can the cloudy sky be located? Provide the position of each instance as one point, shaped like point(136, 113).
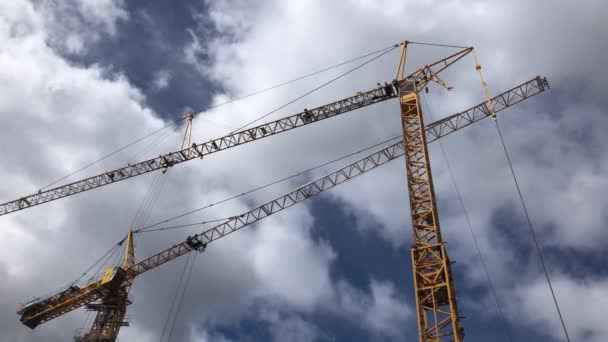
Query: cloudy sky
point(82, 78)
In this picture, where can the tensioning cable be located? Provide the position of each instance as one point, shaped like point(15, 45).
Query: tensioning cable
point(532, 231)
point(175, 122)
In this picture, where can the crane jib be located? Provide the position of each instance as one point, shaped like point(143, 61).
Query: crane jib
point(422, 77)
point(433, 131)
point(165, 161)
point(40, 311)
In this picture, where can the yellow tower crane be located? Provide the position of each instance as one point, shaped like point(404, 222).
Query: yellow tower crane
point(436, 301)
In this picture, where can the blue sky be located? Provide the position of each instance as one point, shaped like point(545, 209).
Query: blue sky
point(149, 49)
point(84, 77)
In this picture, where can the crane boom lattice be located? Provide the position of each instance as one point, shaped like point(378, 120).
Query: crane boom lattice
point(436, 301)
point(362, 99)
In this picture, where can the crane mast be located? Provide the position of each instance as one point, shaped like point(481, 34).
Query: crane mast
point(436, 303)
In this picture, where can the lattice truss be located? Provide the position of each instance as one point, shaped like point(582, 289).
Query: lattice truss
point(437, 306)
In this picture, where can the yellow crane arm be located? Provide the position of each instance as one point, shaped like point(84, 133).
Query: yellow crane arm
point(42, 310)
point(382, 93)
point(39, 310)
point(513, 96)
point(200, 241)
point(435, 130)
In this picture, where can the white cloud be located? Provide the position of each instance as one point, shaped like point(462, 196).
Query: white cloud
point(56, 117)
point(74, 25)
point(381, 311)
point(161, 80)
point(290, 328)
point(296, 330)
point(105, 12)
point(555, 139)
point(198, 335)
point(275, 251)
point(583, 304)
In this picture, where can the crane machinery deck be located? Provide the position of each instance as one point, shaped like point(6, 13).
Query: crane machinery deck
point(436, 300)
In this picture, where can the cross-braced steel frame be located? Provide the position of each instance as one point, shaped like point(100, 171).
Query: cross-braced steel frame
point(111, 311)
point(437, 309)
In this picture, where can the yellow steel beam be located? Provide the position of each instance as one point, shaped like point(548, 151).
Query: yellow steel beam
point(436, 304)
point(43, 310)
point(113, 307)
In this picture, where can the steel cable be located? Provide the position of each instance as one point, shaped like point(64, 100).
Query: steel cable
point(181, 300)
point(499, 309)
point(174, 301)
point(318, 87)
point(532, 231)
point(148, 228)
point(440, 45)
point(173, 123)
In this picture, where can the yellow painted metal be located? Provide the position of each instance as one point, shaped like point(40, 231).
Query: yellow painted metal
point(108, 275)
point(108, 321)
point(188, 131)
point(111, 311)
point(401, 67)
point(483, 84)
point(65, 304)
point(436, 304)
point(114, 278)
point(129, 252)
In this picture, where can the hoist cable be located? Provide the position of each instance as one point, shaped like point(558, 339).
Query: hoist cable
point(107, 156)
point(118, 256)
point(114, 253)
point(173, 123)
point(299, 78)
point(90, 317)
point(535, 238)
point(150, 205)
point(153, 201)
point(144, 204)
point(318, 87)
point(150, 200)
point(138, 213)
point(108, 255)
point(174, 301)
point(111, 251)
point(181, 300)
point(151, 145)
point(183, 225)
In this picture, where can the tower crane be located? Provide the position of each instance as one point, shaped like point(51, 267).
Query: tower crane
point(436, 302)
point(163, 162)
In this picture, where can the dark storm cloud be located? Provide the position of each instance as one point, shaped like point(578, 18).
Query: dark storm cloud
point(150, 45)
